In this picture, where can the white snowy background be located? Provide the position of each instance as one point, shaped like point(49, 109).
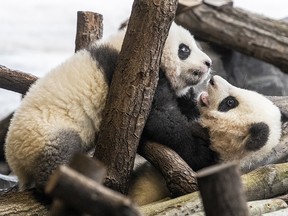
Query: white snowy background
point(36, 36)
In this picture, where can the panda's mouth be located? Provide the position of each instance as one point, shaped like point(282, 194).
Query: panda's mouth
point(204, 99)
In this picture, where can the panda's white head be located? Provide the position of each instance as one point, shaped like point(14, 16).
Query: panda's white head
point(239, 121)
point(184, 63)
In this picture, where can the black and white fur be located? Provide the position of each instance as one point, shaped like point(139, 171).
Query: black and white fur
point(241, 124)
point(62, 112)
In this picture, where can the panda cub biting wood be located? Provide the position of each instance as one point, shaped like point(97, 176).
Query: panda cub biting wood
point(61, 113)
point(242, 125)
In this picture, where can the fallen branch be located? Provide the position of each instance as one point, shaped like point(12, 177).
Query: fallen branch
point(266, 182)
point(263, 183)
point(24, 203)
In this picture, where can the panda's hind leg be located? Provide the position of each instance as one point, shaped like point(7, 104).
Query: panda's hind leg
point(59, 150)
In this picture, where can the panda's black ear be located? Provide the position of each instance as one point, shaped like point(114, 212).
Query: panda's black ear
point(284, 116)
point(258, 136)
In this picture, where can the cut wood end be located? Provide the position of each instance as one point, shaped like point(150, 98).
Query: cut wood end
point(53, 179)
point(217, 168)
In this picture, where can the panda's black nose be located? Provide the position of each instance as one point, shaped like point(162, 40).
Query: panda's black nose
point(208, 63)
point(211, 81)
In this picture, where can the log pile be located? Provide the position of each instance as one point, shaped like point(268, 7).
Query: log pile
point(84, 176)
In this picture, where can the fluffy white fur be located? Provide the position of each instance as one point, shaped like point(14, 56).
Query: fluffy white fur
point(62, 111)
point(174, 67)
point(229, 131)
point(71, 96)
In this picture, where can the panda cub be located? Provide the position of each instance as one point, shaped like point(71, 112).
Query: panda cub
point(61, 113)
point(242, 125)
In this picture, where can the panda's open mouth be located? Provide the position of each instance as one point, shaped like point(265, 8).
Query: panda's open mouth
point(204, 99)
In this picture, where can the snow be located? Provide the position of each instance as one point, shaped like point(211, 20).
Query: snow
point(35, 36)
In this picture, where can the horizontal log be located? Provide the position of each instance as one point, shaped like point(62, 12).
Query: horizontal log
point(92, 197)
point(263, 183)
point(15, 80)
point(266, 182)
point(179, 177)
point(240, 30)
point(24, 203)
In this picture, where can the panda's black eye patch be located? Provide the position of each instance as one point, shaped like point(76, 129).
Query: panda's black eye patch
point(183, 51)
point(227, 104)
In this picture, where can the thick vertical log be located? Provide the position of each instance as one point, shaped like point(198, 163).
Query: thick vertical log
point(89, 28)
point(132, 89)
point(221, 190)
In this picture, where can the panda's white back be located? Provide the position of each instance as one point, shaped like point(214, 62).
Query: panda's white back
point(64, 98)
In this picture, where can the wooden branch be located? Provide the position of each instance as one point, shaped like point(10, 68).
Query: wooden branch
point(89, 29)
point(221, 190)
point(261, 207)
point(132, 89)
point(266, 182)
point(89, 167)
point(24, 203)
point(234, 28)
point(15, 80)
point(255, 208)
point(92, 197)
point(179, 177)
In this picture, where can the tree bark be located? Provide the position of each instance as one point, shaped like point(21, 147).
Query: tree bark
point(234, 28)
point(195, 208)
point(179, 177)
point(266, 182)
point(89, 167)
point(89, 29)
point(132, 89)
point(24, 203)
point(263, 183)
point(221, 190)
point(92, 197)
point(15, 80)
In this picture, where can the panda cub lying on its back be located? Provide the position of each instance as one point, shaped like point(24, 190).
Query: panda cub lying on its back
point(61, 113)
point(242, 125)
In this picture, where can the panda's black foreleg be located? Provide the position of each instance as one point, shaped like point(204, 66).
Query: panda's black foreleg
point(59, 150)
